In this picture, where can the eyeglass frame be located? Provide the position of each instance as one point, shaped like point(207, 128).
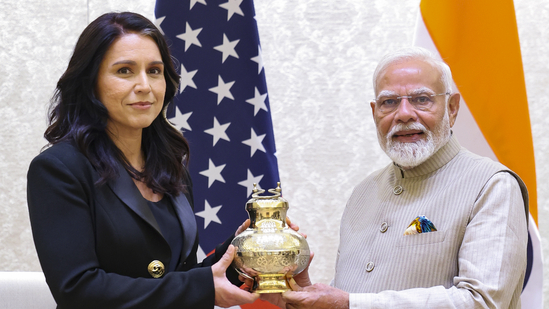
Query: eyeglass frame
point(408, 97)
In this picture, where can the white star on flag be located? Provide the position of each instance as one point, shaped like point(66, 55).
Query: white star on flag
point(258, 101)
point(190, 37)
point(227, 48)
point(193, 2)
point(222, 89)
point(218, 131)
point(181, 120)
point(213, 173)
point(209, 214)
point(258, 59)
point(158, 21)
point(249, 182)
point(187, 79)
point(255, 142)
point(232, 6)
point(200, 255)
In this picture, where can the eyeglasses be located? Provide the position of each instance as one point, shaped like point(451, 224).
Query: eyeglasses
point(421, 102)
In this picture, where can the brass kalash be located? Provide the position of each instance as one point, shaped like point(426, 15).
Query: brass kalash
point(269, 252)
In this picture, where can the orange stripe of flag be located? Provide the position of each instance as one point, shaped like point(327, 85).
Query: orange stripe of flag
point(479, 40)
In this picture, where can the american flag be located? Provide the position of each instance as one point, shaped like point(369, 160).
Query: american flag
point(222, 108)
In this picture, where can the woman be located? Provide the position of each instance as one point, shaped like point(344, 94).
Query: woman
point(110, 201)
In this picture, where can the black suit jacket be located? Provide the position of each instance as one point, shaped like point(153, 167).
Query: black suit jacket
point(95, 243)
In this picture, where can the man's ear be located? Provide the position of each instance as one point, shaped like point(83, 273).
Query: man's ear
point(453, 107)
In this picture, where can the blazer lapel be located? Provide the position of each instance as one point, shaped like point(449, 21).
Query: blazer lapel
point(188, 223)
point(127, 191)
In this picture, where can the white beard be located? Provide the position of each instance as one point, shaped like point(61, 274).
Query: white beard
point(409, 155)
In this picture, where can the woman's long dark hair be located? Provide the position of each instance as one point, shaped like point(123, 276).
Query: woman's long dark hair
point(77, 115)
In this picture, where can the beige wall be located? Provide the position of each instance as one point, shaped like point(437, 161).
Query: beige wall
point(319, 56)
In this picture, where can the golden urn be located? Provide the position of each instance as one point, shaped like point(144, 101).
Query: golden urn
point(269, 252)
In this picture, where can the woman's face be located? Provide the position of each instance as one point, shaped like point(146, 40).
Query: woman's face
point(131, 84)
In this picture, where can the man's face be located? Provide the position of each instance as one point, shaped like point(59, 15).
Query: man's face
point(410, 133)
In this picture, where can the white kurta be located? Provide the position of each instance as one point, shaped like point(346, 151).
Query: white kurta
point(475, 259)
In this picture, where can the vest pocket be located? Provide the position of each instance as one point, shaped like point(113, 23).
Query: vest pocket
point(421, 239)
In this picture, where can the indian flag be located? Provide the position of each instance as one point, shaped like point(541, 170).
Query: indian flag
point(479, 41)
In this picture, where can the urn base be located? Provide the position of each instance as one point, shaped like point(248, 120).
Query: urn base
point(272, 283)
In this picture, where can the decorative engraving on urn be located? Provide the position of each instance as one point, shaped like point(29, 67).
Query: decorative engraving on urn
point(269, 252)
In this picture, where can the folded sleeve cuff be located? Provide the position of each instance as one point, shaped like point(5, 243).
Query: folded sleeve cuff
point(360, 301)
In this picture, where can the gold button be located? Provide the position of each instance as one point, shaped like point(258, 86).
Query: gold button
point(397, 190)
point(156, 269)
point(384, 227)
point(370, 266)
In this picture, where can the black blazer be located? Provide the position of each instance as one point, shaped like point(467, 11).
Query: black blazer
point(95, 243)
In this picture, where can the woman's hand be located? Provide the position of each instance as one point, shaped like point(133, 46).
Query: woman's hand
point(242, 227)
point(226, 294)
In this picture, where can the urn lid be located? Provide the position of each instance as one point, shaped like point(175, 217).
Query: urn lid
point(267, 201)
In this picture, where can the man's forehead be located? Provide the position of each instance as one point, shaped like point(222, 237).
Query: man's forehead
point(411, 74)
point(413, 91)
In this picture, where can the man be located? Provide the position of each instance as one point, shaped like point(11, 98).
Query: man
point(440, 227)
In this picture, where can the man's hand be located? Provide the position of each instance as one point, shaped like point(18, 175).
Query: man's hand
point(300, 280)
point(318, 296)
point(294, 226)
point(226, 294)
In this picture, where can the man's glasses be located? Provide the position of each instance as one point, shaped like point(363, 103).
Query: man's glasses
point(421, 102)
